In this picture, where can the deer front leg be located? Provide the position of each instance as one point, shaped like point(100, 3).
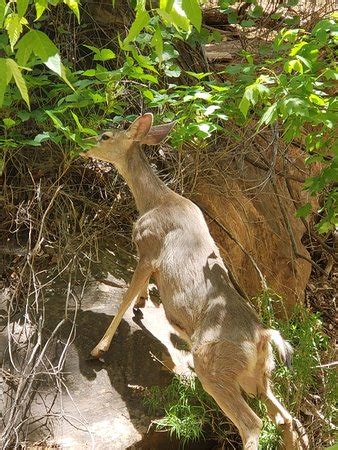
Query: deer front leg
point(137, 286)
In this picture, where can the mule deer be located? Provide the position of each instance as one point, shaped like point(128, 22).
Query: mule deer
point(231, 349)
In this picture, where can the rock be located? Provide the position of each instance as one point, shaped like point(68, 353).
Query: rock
point(246, 205)
point(101, 403)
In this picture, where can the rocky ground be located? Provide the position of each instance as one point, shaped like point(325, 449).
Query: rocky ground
point(101, 403)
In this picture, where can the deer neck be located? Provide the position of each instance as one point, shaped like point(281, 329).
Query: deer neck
point(148, 190)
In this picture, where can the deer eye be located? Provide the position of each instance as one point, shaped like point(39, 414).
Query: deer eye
point(105, 137)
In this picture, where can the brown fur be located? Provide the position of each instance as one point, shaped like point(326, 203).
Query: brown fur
point(231, 349)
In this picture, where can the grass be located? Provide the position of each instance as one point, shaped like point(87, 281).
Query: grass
point(183, 407)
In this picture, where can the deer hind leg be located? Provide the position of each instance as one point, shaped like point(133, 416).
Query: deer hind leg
point(217, 366)
point(293, 434)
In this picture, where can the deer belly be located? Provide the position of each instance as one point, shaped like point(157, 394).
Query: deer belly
point(180, 308)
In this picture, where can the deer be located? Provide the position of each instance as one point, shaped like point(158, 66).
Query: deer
point(231, 349)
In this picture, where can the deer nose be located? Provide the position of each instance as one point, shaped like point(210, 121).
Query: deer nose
point(93, 139)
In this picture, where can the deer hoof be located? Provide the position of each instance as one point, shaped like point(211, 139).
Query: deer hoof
point(97, 353)
point(140, 302)
point(137, 312)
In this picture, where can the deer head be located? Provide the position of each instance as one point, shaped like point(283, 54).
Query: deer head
point(113, 145)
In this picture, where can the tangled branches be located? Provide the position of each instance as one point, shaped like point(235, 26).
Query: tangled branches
point(54, 216)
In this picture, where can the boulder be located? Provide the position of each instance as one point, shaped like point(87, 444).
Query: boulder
point(251, 216)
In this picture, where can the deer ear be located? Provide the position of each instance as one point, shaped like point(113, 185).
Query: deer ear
point(139, 129)
point(157, 133)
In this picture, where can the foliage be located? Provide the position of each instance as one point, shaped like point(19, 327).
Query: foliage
point(290, 82)
point(14, 43)
point(184, 402)
point(304, 330)
point(185, 415)
point(186, 410)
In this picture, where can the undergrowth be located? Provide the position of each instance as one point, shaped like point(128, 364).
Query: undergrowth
point(307, 389)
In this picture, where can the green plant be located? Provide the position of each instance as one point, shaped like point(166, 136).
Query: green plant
point(185, 408)
point(304, 330)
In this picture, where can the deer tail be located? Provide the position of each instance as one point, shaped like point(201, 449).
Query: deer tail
point(284, 348)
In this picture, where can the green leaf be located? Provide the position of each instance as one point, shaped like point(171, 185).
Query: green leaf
point(77, 121)
point(57, 122)
point(89, 73)
point(256, 12)
point(21, 7)
point(314, 159)
point(304, 61)
point(143, 61)
point(18, 78)
point(13, 26)
point(173, 71)
point(317, 100)
point(2, 11)
point(45, 136)
point(244, 106)
point(4, 79)
point(157, 43)
point(140, 5)
point(331, 74)
point(174, 18)
point(74, 6)
point(297, 47)
point(292, 2)
point(248, 57)
point(211, 109)
point(146, 77)
point(293, 65)
point(296, 106)
point(304, 210)
point(107, 54)
point(104, 55)
point(290, 35)
point(200, 76)
point(40, 6)
point(148, 94)
point(324, 226)
point(193, 12)
point(92, 48)
point(233, 17)
point(270, 115)
point(39, 43)
point(276, 16)
point(24, 49)
point(8, 122)
point(247, 23)
point(167, 4)
point(322, 29)
point(141, 20)
point(180, 22)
